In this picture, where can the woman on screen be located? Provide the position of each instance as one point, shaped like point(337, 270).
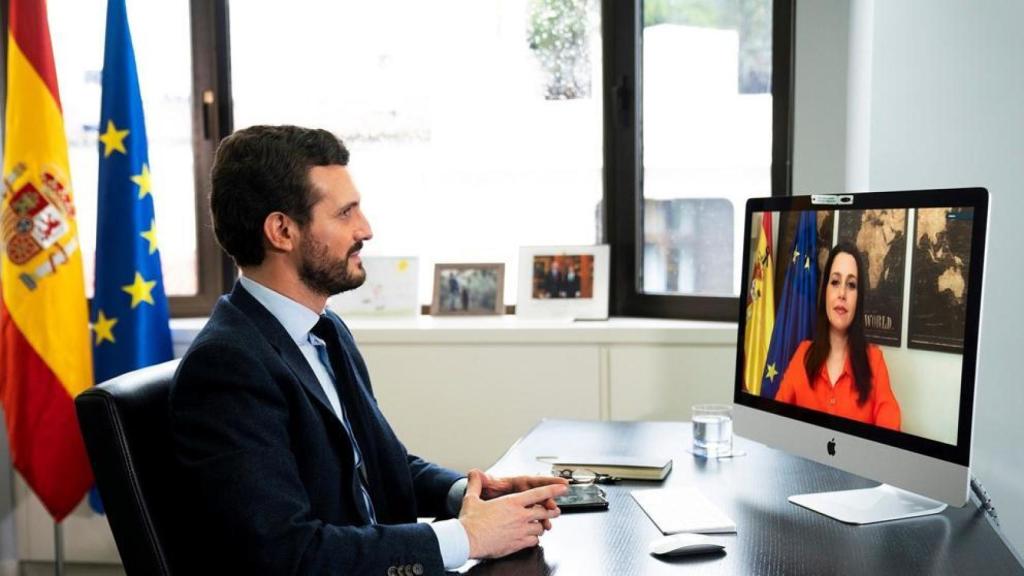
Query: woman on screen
point(838, 372)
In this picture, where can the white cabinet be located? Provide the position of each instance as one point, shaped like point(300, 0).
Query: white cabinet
point(460, 391)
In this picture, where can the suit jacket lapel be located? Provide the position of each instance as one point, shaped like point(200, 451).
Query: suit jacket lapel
point(272, 330)
point(278, 337)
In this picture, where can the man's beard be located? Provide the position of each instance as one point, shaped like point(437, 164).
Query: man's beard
point(324, 276)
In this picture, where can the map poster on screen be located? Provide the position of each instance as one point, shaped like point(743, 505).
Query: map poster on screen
point(881, 238)
point(940, 269)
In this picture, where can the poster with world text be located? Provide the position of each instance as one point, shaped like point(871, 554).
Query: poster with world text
point(881, 238)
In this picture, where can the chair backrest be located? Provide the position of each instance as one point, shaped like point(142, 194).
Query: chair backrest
point(126, 425)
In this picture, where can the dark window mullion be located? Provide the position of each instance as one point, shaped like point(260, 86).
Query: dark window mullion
point(211, 121)
point(783, 74)
point(620, 23)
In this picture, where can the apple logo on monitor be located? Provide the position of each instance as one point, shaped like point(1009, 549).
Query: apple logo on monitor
point(831, 447)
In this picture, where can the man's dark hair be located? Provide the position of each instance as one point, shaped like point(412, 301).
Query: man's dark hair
point(265, 169)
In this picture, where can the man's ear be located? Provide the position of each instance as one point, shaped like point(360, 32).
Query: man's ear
point(280, 232)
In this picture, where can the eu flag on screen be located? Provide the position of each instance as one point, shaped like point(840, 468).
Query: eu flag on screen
point(794, 320)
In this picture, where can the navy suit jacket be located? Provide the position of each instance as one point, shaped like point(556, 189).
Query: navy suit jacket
point(268, 465)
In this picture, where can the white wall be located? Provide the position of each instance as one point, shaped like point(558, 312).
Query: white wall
point(946, 110)
point(927, 386)
point(819, 121)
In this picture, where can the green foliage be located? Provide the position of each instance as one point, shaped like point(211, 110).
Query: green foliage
point(559, 36)
point(700, 13)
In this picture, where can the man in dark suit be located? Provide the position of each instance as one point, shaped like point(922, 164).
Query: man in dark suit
point(281, 443)
point(553, 281)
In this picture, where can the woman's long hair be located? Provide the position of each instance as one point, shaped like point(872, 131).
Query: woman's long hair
point(856, 343)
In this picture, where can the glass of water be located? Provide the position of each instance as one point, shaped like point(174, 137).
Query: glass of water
point(712, 430)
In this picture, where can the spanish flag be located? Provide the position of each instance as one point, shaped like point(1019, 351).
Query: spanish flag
point(760, 309)
point(45, 352)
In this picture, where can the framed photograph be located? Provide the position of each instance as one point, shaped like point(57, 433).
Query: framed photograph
point(468, 289)
point(563, 282)
point(391, 289)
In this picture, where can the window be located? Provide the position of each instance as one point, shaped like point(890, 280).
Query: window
point(193, 269)
point(710, 131)
point(475, 126)
point(165, 80)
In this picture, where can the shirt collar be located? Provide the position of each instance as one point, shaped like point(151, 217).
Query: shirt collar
point(296, 319)
point(847, 366)
point(847, 370)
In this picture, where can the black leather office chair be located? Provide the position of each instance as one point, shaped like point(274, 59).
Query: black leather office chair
point(125, 423)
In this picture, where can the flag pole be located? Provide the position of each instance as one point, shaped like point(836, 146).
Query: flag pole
point(58, 548)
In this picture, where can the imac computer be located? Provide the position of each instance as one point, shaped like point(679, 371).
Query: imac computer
point(858, 342)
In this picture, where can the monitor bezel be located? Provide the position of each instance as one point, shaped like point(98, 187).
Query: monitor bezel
point(976, 198)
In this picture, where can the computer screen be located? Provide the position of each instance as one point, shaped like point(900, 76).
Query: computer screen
point(858, 332)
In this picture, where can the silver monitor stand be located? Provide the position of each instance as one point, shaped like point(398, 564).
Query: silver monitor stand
point(869, 505)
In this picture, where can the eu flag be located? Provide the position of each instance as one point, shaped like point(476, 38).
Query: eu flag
point(794, 320)
point(129, 307)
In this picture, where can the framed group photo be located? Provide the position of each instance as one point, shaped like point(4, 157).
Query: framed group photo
point(468, 289)
point(563, 282)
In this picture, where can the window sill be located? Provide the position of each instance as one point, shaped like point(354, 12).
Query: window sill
point(513, 330)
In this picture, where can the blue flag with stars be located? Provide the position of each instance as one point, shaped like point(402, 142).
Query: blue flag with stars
point(794, 320)
point(129, 308)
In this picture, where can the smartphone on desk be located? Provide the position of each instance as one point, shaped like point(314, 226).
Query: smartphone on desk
point(582, 497)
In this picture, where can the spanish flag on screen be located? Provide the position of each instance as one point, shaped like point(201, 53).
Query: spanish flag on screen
point(760, 309)
point(45, 353)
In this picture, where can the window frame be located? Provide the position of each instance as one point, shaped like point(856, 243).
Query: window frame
point(622, 30)
point(211, 121)
point(622, 214)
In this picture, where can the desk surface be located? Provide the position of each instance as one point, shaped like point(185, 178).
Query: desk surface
point(773, 536)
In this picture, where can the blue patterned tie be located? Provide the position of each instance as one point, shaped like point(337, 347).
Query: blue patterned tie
point(332, 356)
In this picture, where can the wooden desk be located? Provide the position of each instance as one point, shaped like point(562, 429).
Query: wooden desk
point(773, 537)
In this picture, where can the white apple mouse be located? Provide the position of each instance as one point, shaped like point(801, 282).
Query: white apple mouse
point(682, 544)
